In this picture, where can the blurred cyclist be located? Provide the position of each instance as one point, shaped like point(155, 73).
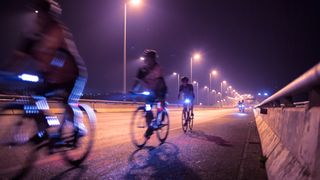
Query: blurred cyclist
point(51, 48)
point(150, 75)
point(186, 89)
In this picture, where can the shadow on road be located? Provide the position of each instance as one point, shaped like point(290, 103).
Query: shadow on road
point(203, 136)
point(77, 173)
point(158, 163)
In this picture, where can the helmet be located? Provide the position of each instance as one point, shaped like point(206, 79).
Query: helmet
point(185, 79)
point(47, 6)
point(150, 53)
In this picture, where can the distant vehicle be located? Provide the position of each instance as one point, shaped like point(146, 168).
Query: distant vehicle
point(241, 107)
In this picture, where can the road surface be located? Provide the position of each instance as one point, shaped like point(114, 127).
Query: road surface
point(223, 145)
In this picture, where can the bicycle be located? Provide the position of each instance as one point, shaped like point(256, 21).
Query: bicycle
point(187, 120)
point(143, 122)
point(60, 135)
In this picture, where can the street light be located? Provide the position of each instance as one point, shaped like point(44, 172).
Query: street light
point(208, 93)
point(212, 73)
point(196, 56)
point(134, 3)
point(214, 95)
point(221, 84)
point(178, 76)
point(142, 58)
point(197, 84)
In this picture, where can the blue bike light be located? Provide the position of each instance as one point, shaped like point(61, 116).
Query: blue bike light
point(187, 101)
point(29, 77)
point(147, 93)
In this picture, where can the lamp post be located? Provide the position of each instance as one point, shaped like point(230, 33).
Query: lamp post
point(211, 74)
point(135, 3)
point(196, 56)
point(197, 84)
point(214, 96)
point(221, 84)
point(208, 93)
point(178, 77)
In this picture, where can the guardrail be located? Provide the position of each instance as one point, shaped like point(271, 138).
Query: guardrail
point(308, 83)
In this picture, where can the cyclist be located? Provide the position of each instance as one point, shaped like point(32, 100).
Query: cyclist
point(186, 89)
point(51, 47)
point(150, 75)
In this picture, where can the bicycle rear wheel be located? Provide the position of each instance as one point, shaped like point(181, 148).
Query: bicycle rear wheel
point(163, 131)
point(78, 146)
point(138, 127)
point(190, 123)
point(184, 121)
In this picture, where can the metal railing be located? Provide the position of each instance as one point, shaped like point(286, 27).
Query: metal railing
point(309, 83)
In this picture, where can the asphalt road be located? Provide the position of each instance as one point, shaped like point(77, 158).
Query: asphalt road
point(223, 145)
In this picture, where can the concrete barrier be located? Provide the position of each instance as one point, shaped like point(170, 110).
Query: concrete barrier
point(290, 139)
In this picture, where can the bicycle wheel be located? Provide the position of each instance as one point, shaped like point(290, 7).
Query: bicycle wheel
point(78, 146)
point(15, 132)
point(190, 122)
point(138, 127)
point(184, 121)
point(163, 131)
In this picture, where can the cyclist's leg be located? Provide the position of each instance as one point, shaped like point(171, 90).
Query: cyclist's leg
point(75, 94)
point(149, 115)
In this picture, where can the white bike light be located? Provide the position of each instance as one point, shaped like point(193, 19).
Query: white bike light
point(148, 107)
point(147, 93)
point(29, 77)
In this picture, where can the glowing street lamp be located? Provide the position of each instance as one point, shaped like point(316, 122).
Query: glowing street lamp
point(221, 85)
point(196, 56)
point(134, 3)
point(178, 77)
point(212, 73)
point(142, 58)
point(208, 93)
point(197, 84)
point(214, 95)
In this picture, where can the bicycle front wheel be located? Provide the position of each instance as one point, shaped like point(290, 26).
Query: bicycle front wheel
point(163, 131)
point(17, 153)
point(138, 127)
point(79, 144)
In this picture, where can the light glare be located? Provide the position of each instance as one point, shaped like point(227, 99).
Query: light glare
point(135, 2)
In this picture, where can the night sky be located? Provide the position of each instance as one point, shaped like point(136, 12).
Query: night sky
point(255, 45)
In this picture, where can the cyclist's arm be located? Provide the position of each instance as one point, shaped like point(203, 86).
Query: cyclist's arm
point(141, 74)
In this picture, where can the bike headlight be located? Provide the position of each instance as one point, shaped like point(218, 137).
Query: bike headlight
point(29, 77)
point(187, 101)
point(147, 93)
